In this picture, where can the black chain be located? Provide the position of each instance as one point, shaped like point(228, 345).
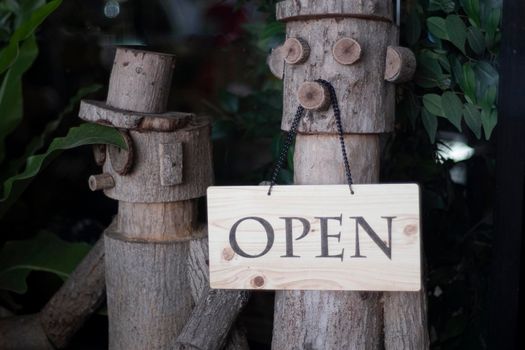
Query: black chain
point(337, 114)
point(293, 131)
point(287, 143)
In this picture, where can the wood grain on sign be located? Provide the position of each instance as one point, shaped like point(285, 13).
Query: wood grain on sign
point(315, 237)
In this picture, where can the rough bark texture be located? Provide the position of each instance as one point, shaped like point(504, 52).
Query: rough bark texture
point(173, 221)
point(198, 275)
point(299, 9)
point(406, 321)
point(78, 298)
point(23, 333)
point(143, 184)
point(102, 113)
point(328, 320)
point(148, 292)
point(366, 100)
point(140, 80)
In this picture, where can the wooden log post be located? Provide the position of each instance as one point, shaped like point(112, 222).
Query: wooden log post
point(352, 45)
point(157, 181)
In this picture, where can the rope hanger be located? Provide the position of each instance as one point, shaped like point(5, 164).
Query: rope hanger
point(299, 114)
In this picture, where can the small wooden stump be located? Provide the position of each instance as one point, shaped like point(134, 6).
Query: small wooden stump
point(313, 96)
point(101, 182)
point(400, 64)
point(346, 51)
point(296, 50)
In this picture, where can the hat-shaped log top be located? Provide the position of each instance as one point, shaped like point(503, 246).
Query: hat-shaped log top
point(140, 81)
point(168, 156)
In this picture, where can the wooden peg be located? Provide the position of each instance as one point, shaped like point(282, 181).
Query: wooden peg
point(122, 159)
point(313, 96)
point(101, 182)
point(275, 62)
point(346, 51)
point(296, 50)
point(400, 64)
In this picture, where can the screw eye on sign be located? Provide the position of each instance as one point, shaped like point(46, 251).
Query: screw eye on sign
point(315, 237)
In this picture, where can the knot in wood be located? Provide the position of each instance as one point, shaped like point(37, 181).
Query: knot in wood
point(346, 51)
point(296, 50)
point(313, 96)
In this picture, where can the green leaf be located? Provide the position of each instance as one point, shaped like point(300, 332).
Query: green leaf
point(452, 108)
point(85, 134)
point(473, 119)
point(476, 40)
point(472, 9)
point(11, 91)
point(430, 123)
point(37, 17)
point(489, 119)
point(456, 31)
point(45, 252)
point(24, 31)
point(438, 27)
point(468, 83)
point(433, 104)
point(42, 138)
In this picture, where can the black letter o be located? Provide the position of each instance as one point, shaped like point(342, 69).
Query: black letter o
point(269, 235)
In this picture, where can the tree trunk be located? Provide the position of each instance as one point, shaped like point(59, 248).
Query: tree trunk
point(323, 320)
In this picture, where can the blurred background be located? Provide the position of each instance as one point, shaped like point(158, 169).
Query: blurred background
point(221, 49)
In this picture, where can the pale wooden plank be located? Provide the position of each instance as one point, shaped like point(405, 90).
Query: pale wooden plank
point(228, 269)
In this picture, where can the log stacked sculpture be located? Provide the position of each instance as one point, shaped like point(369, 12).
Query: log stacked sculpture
point(353, 45)
point(152, 259)
point(157, 180)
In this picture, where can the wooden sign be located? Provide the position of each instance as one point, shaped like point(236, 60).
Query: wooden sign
point(315, 237)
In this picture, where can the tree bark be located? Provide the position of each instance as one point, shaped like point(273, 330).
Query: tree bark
point(330, 320)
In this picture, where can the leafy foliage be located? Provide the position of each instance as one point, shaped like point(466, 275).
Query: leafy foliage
point(456, 43)
point(44, 252)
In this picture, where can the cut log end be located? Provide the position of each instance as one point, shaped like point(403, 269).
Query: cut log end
point(101, 182)
point(346, 51)
point(400, 64)
point(275, 62)
point(313, 96)
point(296, 50)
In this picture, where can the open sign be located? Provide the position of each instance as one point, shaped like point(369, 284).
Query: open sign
point(315, 237)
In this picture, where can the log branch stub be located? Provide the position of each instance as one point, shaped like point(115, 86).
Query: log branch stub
point(296, 51)
point(122, 159)
point(78, 298)
point(101, 182)
point(313, 96)
point(346, 51)
point(400, 64)
point(140, 80)
point(275, 62)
